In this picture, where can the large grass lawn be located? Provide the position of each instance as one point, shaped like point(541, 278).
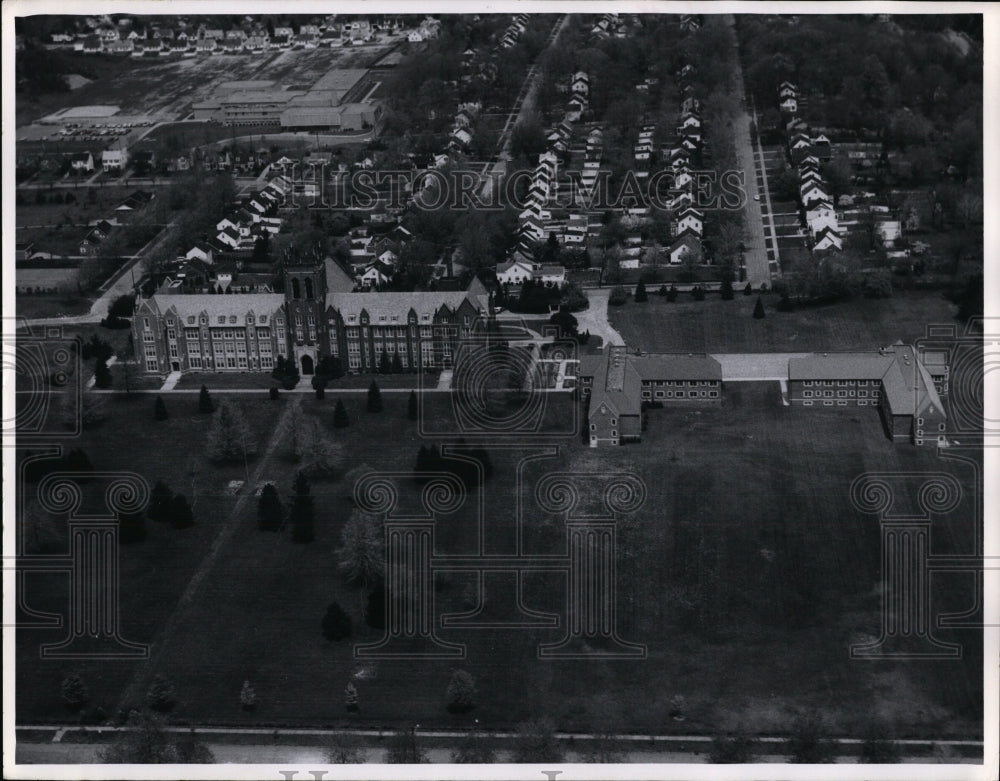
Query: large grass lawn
point(714, 325)
point(747, 574)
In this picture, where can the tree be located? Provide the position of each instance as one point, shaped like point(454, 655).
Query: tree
point(317, 455)
point(566, 322)
point(301, 513)
point(160, 695)
point(361, 556)
point(205, 403)
point(404, 750)
point(734, 749)
point(473, 749)
point(230, 437)
point(181, 514)
point(160, 499)
point(374, 398)
point(397, 364)
point(461, 692)
point(806, 747)
point(384, 364)
point(269, 511)
point(413, 406)
point(618, 296)
point(131, 527)
point(160, 409)
point(698, 293)
point(74, 692)
point(102, 374)
point(672, 294)
point(146, 743)
point(758, 309)
point(640, 293)
point(375, 607)
point(748, 290)
point(336, 623)
point(348, 749)
point(340, 419)
point(536, 742)
point(248, 697)
point(877, 747)
point(726, 290)
point(351, 697)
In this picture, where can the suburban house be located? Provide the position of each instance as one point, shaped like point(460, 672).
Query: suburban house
point(690, 220)
point(894, 379)
point(615, 386)
point(826, 238)
point(687, 246)
point(114, 159)
point(82, 162)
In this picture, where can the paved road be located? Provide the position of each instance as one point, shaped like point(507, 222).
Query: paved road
point(595, 317)
point(755, 256)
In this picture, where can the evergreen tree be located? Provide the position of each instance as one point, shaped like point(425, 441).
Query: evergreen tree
point(102, 374)
point(131, 527)
point(340, 419)
point(361, 557)
point(160, 499)
point(336, 623)
point(640, 292)
point(421, 464)
point(205, 403)
point(397, 364)
point(748, 290)
point(351, 697)
point(726, 290)
point(375, 608)
point(269, 510)
point(301, 513)
point(230, 437)
point(181, 514)
point(662, 291)
point(374, 397)
point(672, 294)
point(384, 365)
point(758, 310)
point(160, 409)
point(698, 293)
point(413, 406)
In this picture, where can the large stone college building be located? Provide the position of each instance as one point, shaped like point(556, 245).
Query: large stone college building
point(318, 315)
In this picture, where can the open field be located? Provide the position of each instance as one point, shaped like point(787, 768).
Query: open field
point(747, 574)
point(168, 86)
point(714, 325)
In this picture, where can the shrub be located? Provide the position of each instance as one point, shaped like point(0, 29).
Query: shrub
point(102, 374)
point(160, 696)
point(618, 296)
point(726, 290)
point(273, 393)
point(181, 514)
point(160, 409)
point(640, 293)
point(662, 291)
point(351, 697)
point(672, 294)
point(74, 692)
point(336, 623)
point(748, 290)
point(248, 697)
point(461, 692)
point(758, 309)
point(698, 293)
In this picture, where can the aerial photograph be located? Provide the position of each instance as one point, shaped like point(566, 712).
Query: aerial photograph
point(536, 387)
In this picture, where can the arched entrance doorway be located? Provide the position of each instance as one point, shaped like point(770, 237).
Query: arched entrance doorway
point(307, 365)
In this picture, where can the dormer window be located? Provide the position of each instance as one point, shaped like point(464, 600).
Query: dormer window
point(250, 319)
point(222, 319)
point(232, 319)
point(190, 319)
point(351, 318)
